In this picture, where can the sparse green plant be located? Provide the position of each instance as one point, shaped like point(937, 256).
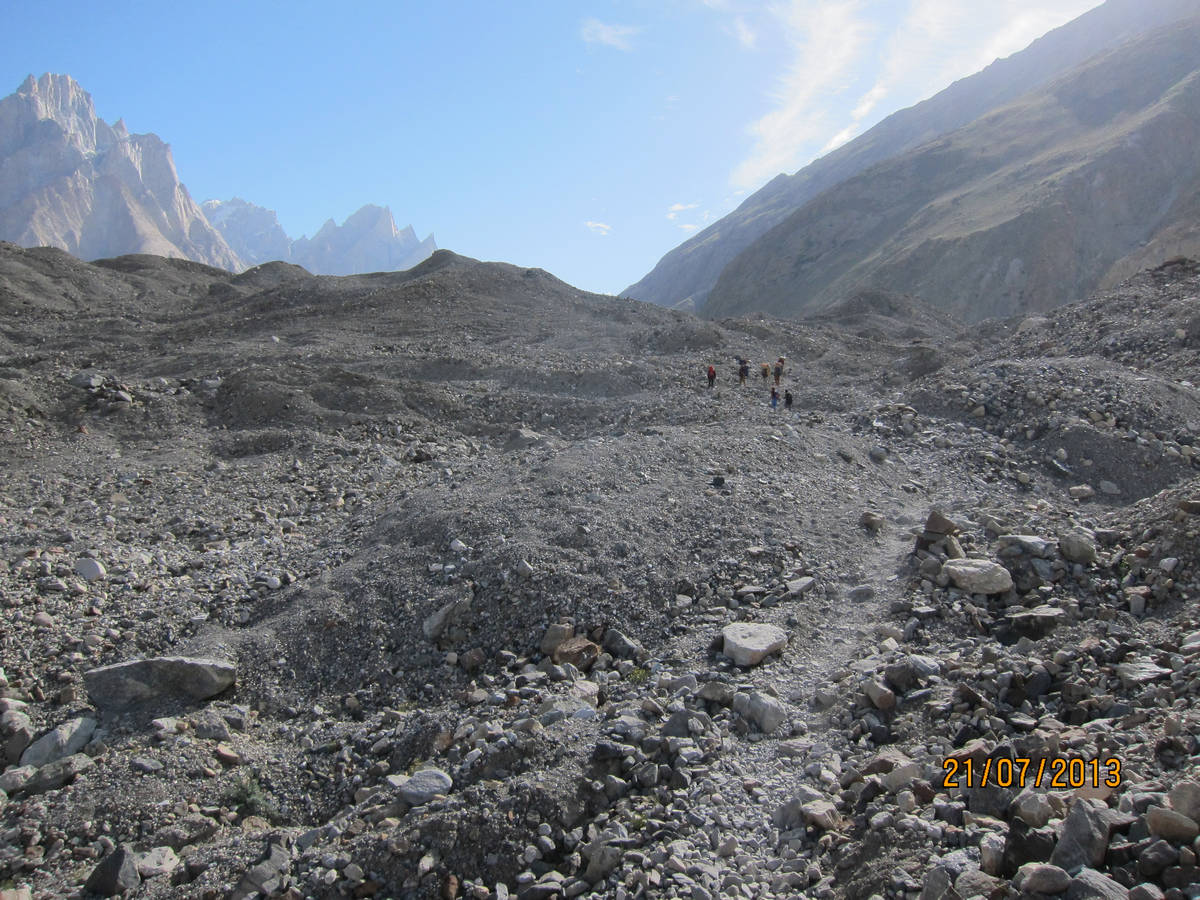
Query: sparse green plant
point(640, 675)
point(247, 795)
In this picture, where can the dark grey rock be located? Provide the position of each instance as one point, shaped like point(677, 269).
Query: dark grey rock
point(1083, 837)
point(165, 677)
point(1092, 885)
point(117, 873)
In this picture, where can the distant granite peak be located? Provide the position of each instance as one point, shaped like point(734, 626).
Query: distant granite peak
point(70, 180)
point(368, 240)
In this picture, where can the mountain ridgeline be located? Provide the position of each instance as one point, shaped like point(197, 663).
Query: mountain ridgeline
point(368, 241)
point(1060, 169)
point(69, 180)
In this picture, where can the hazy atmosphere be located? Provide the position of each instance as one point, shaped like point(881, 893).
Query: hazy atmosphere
point(584, 138)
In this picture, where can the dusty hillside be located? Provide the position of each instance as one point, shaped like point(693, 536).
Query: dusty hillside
point(691, 270)
point(450, 583)
point(1027, 208)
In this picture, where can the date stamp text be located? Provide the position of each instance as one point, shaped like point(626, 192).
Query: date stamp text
point(1055, 773)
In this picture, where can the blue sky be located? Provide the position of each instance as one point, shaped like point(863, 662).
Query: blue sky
point(587, 137)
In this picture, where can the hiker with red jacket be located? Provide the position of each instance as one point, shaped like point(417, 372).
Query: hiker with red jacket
point(712, 376)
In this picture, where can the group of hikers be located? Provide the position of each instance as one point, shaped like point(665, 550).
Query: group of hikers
point(768, 370)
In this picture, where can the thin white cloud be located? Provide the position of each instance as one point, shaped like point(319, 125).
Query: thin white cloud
point(593, 31)
point(846, 134)
point(675, 209)
point(689, 227)
point(941, 41)
point(598, 227)
point(833, 44)
point(746, 35)
point(826, 38)
point(869, 101)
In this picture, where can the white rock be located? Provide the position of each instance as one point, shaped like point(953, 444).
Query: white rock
point(69, 737)
point(800, 586)
point(156, 862)
point(991, 853)
point(901, 776)
point(89, 569)
point(821, 813)
point(978, 576)
point(763, 710)
point(437, 622)
point(748, 644)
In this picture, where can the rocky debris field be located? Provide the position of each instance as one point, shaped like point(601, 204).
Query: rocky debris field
point(460, 582)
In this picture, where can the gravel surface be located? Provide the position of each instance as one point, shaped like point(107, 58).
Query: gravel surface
point(421, 585)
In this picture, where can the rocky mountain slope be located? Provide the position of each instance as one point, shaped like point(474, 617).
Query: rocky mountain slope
point(460, 582)
point(1021, 211)
point(69, 180)
point(252, 231)
point(690, 271)
point(367, 241)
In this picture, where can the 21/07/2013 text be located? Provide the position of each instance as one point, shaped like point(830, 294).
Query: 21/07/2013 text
point(1055, 773)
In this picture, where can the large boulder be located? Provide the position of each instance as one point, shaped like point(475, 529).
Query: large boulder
point(54, 775)
point(69, 737)
point(1042, 878)
point(424, 785)
point(1089, 884)
point(748, 644)
point(1083, 836)
point(1185, 799)
point(1172, 825)
point(1078, 546)
point(117, 873)
point(16, 734)
point(978, 576)
point(578, 651)
point(139, 681)
point(761, 709)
